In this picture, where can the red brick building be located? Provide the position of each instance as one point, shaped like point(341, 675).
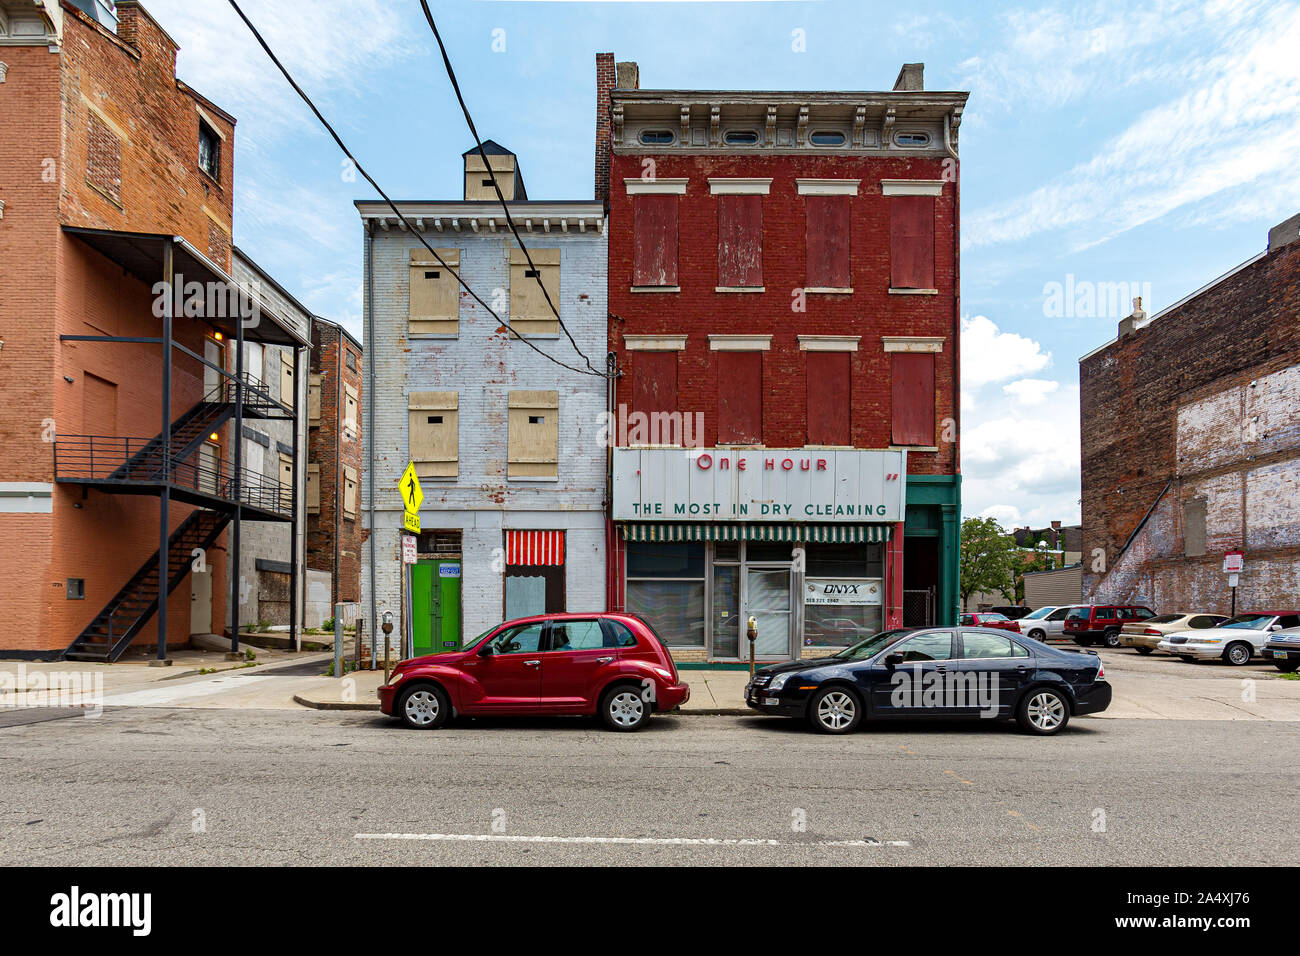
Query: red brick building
point(334, 532)
point(1191, 444)
point(783, 289)
point(117, 418)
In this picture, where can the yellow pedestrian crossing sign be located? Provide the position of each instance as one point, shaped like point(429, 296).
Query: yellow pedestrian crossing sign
point(412, 498)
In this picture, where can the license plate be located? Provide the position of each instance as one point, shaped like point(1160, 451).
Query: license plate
point(1279, 655)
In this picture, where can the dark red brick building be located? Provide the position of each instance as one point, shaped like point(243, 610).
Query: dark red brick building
point(783, 289)
point(1190, 434)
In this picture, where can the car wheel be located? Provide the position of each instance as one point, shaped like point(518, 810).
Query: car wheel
point(623, 708)
point(835, 710)
point(1287, 667)
point(1110, 638)
point(1037, 635)
point(1238, 653)
point(1187, 657)
point(1042, 711)
point(1143, 650)
point(423, 707)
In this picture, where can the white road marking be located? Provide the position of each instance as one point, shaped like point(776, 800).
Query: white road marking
point(651, 841)
point(162, 696)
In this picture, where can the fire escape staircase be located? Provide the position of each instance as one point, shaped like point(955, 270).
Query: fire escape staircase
point(121, 619)
point(187, 433)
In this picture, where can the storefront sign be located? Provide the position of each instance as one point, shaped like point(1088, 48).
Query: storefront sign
point(766, 484)
point(866, 591)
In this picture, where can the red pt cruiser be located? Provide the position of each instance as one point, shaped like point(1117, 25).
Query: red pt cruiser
point(613, 665)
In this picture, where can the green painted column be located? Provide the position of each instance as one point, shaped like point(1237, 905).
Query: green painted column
point(948, 600)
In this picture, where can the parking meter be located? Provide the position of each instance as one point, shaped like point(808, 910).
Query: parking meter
point(751, 631)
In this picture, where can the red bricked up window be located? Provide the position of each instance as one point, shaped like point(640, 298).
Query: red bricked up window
point(827, 242)
point(104, 159)
point(829, 415)
point(911, 242)
point(913, 398)
point(654, 382)
point(654, 239)
point(740, 241)
point(740, 398)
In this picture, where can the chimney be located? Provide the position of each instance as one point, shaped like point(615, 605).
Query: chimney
point(911, 78)
point(1284, 233)
point(1056, 526)
point(605, 81)
point(1129, 324)
point(137, 27)
point(628, 75)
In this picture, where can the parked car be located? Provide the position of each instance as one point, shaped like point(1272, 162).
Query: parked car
point(1283, 649)
point(1012, 612)
point(613, 665)
point(1144, 636)
point(1100, 623)
point(1235, 641)
point(1046, 622)
point(882, 678)
point(989, 619)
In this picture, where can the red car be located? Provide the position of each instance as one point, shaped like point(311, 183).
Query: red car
point(989, 619)
point(1101, 623)
point(613, 665)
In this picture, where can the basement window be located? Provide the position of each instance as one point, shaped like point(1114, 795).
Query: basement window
point(827, 137)
point(76, 589)
point(657, 137)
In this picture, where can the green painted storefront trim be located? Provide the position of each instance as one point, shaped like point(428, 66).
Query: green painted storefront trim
point(942, 493)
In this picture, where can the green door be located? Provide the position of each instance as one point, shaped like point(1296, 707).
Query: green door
point(435, 607)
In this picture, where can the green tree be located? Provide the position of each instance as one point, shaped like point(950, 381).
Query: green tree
point(990, 559)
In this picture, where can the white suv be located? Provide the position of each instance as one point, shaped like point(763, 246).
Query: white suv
point(1046, 622)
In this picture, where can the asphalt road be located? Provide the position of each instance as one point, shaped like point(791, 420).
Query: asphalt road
point(154, 786)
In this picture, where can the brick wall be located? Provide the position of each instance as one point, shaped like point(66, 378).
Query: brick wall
point(1201, 402)
point(605, 80)
point(871, 311)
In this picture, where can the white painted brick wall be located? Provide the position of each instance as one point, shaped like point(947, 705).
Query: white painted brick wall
point(484, 366)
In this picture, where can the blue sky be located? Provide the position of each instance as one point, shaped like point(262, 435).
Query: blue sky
point(1151, 144)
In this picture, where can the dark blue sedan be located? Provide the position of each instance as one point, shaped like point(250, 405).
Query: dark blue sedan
point(946, 672)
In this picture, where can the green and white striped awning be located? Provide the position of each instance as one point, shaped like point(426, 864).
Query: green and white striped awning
point(810, 533)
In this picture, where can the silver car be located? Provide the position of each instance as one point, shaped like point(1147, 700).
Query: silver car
point(1046, 623)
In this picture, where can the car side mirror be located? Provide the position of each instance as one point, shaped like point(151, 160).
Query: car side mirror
point(1276, 627)
point(893, 660)
point(485, 650)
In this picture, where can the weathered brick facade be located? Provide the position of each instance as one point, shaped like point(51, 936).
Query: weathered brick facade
point(334, 443)
point(74, 94)
point(1190, 433)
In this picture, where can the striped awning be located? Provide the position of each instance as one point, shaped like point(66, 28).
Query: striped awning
point(809, 533)
point(535, 547)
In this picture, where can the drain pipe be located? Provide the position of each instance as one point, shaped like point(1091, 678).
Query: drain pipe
point(369, 319)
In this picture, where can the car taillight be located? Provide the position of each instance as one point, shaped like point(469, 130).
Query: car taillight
point(1152, 631)
point(1101, 670)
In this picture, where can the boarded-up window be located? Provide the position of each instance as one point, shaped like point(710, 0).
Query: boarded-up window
point(349, 412)
point(434, 433)
point(349, 491)
point(104, 159)
point(654, 382)
point(1194, 527)
point(829, 415)
point(313, 398)
point(827, 242)
point(529, 313)
point(911, 242)
point(740, 398)
point(654, 240)
point(98, 405)
point(313, 489)
point(534, 434)
point(287, 391)
point(286, 477)
point(435, 293)
point(913, 398)
point(740, 241)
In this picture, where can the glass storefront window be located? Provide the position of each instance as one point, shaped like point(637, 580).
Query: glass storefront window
point(648, 559)
point(839, 625)
point(846, 560)
point(674, 608)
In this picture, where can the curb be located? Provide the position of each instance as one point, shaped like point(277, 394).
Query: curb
point(333, 705)
point(694, 712)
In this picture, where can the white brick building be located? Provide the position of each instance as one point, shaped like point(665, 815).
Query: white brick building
point(505, 441)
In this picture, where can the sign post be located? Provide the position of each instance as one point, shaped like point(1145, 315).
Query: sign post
point(1234, 562)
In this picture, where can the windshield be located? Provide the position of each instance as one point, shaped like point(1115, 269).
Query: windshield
point(1164, 619)
point(1038, 615)
point(468, 644)
point(1255, 622)
point(993, 617)
point(872, 645)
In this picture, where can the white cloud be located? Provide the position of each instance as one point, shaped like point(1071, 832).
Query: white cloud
point(1235, 123)
point(991, 355)
point(1031, 391)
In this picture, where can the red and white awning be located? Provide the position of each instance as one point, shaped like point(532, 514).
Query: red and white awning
point(535, 547)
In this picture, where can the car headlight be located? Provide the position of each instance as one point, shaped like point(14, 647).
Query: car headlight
point(778, 681)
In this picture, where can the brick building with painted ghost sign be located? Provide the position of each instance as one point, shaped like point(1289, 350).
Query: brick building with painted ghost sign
point(784, 307)
point(1190, 434)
